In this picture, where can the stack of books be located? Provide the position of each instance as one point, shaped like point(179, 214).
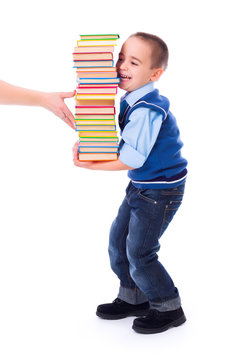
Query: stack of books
point(95, 97)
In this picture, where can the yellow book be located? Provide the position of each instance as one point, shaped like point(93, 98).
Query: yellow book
point(108, 42)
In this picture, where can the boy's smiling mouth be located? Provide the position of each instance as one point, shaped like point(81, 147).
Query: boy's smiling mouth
point(124, 77)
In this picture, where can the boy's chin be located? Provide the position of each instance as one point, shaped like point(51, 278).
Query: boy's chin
point(124, 86)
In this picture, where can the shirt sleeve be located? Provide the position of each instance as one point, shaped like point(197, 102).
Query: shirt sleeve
point(139, 136)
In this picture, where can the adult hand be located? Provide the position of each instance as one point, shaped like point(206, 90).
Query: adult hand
point(55, 103)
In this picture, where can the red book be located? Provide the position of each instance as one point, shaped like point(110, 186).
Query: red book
point(93, 56)
point(89, 110)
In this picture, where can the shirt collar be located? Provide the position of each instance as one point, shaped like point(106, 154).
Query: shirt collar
point(132, 97)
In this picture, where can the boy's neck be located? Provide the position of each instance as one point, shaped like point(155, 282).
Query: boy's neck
point(135, 95)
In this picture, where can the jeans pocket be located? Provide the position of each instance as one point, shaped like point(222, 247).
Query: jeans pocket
point(149, 196)
point(170, 209)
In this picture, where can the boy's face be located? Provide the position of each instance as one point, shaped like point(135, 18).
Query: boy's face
point(134, 64)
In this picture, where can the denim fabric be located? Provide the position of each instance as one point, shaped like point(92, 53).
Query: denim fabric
point(134, 242)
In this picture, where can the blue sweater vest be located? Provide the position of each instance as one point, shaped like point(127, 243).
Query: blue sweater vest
point(165, 167)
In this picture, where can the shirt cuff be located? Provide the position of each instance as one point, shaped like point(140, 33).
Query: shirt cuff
point(131, 157)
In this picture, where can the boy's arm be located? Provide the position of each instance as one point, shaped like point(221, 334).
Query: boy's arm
point(98, 165)
point(15, 95)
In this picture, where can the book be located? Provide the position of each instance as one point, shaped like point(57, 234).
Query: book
point(92, 63)
point(92, 42)
point(93, 127)
point(95, 122)
point(95, 80)
point(96, 90)
point(95, 110)
point(99, 36)
point(111, 144)
point(96, 69)
point(95, 102)
point(106, 133)
point(97, 156)
point(96, 97)
point(96, 85)
point(94, 117)
point(91, 49)
point(94, 74)
point(99, 139)
point(92, 56)
point(98, 149)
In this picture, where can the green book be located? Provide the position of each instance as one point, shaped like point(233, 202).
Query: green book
point(99, 37)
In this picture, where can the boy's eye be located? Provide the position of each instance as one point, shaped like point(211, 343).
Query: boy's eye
point(133, 63)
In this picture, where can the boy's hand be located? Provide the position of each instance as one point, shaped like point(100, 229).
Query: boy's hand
point(55, 103)
point(111, 165)
point(83, 164)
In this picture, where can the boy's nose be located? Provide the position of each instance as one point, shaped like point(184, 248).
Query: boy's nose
point(123, 66)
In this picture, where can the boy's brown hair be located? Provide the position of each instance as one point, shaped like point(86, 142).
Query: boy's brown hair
point(160, 52)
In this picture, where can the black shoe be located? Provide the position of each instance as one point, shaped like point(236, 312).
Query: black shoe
point(156, 321)
point(120, 309)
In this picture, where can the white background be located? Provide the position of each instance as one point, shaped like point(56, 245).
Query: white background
point(55, 218)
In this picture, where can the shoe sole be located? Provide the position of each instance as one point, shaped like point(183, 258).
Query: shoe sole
point(122, 316)
point(175, 323)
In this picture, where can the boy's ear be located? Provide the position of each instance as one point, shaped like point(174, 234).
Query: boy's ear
point(156, 74)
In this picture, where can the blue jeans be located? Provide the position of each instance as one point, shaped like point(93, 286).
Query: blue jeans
point(134, 242)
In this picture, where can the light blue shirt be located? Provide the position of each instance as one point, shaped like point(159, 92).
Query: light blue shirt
point(141, 132)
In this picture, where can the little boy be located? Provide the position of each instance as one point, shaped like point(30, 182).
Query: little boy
point(150, 151)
